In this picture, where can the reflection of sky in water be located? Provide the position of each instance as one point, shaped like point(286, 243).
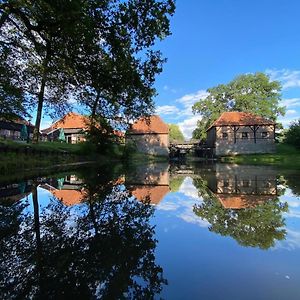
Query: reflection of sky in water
point(200, 264)
point(206, 265)
point(292, 220)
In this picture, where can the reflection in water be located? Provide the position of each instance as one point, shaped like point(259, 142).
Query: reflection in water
point(86, 234)
point(68, 189)
point(150, 183)
point(104, 249)
point(242, 202)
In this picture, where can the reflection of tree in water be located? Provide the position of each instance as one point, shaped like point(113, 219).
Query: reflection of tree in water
point(104, 249)
point(258, 226)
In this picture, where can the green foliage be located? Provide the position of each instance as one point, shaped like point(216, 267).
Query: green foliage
point(97, 50)
point(292, 135)
point(175, 183)
point(129, 150)
point(175, 133)
point(253, 93)
point(12, 100)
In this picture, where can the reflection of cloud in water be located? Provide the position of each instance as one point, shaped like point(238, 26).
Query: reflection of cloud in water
point(181, 203)
point(165, 205)
point(187, 188)
point(290, 198)
point(190, 217)
point(292, 241)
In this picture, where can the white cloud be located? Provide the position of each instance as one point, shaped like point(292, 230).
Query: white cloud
point(286, 121)
point(167, 110)
point(188, 125)
point(288, 78)
point(292, 102)
point(189, 100)
point(291, 112)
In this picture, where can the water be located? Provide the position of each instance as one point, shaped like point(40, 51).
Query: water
point(157, 231)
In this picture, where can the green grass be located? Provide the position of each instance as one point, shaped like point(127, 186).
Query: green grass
point(286, 156)
point(42, 146)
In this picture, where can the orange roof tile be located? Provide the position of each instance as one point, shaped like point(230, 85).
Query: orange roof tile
point(152, 124)
point(69, 197)
point(243, 201)
point(71, 120)
point(154, 193)
point(240, 118)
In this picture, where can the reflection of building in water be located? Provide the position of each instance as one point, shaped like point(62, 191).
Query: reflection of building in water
point(68, 190)
point(150, 183)
point(15, 191)
point(243, 186)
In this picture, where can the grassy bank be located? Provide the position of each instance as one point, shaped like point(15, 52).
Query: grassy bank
point(22, 157)
point(46, 147)
point(285, 157)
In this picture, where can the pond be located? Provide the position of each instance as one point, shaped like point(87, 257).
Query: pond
point(201, 231)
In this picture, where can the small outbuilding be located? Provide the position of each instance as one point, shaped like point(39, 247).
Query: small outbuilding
point(150, 135)
point(74, 127)
point(241, 133)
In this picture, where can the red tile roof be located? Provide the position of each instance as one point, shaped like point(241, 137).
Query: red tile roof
point(69, 197)
point(152, 193)
point(152, 124)
point(240, 118)
point(243, 201)
point(70, 120)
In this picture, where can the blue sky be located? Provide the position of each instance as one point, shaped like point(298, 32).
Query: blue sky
point(214, 41)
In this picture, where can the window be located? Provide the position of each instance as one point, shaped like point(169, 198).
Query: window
point(225, 135)
point(264, 135)
point(225, 183)
point(246, 183)
point(244, 135)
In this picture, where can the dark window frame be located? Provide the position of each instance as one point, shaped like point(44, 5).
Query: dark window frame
point(245, 135)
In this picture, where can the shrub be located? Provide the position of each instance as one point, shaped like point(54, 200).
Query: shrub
point(292, 136)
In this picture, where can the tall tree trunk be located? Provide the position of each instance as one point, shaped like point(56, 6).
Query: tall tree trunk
point(94, 109)
point(39, 249)
point(36, 131)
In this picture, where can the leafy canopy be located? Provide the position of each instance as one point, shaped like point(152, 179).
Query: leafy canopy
point(175, 133)
point(292, 135)
point(98, 51)
point(254, 93)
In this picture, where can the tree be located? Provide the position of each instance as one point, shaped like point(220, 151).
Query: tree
point(253, 93)
point(292, 136)
point(258, 226)
point(102, 48)
point(103, 249)
point(175, 133)
point(12, 99)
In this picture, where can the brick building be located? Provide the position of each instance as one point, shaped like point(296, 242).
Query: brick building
point(74, 126)
point(150, 135)
point(241, 133)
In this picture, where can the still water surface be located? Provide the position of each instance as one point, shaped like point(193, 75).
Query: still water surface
point(149, 232)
